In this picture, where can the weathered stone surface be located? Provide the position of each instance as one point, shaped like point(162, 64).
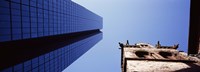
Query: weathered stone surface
point(154, 66)
point(143, 57)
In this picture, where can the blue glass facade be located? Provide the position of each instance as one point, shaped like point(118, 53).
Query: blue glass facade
point(27, 26)
point(23, 19)
point(57, 60)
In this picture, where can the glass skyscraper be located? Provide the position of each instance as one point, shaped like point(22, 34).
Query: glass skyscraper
point(45, 35)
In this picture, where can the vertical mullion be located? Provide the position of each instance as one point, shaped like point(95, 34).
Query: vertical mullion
point(43, 17)
point(30, 18)
point(37, 17)
point(21, 19)
point(57, 9)
point(48, 19)
point(10, 20)
point(53, 17)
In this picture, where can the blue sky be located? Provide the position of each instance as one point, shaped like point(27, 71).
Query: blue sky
point(136, 21)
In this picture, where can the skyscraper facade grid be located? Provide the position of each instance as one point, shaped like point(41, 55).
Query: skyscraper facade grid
point(45, 35)
point(23, 19)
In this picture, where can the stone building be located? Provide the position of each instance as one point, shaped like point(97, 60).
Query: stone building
point(145, 57)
